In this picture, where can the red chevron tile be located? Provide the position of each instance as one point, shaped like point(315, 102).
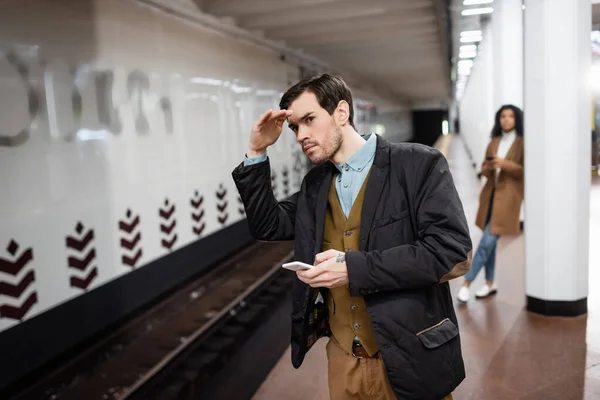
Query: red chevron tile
point(128, 228)
point(14, 267)
point(198, 231)
point(132, 261)
point(10, 290)
point(78, 244)
point(167, 214)
point(221, 192)
point(168, 229)
point(223, 218)
point(197, 203)
point(198, 217)
point(222, 207)
point(129, 245)
point(84, 283)
point(18, 313)
point(82, 264)
point(169, 244)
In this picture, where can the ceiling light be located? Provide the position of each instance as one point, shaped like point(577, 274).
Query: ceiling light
point(471, 33)
point(468, 54)
point(467, 34)
point(471, 39)
point(477, 11)
point(475, 2)
point(468, 47)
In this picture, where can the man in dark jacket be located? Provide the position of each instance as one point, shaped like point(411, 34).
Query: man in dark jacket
point(385, 229)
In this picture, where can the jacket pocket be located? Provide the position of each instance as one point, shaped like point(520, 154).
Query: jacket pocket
point(390, 219)
point(438, 334)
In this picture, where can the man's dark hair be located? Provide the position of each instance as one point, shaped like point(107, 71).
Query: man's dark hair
point(328, 89)
point(497, 129)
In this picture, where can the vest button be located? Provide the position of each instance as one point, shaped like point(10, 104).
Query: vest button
point(345, 185)
point(356, 326)
point(348, 233)
point(347, 168)
point(354, 307)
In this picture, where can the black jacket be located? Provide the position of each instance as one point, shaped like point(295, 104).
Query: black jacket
point(414, 237)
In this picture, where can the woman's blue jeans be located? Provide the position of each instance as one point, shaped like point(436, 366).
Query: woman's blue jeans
point(485, 255)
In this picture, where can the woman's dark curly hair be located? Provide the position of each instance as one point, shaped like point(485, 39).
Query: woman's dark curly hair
point(497, 130)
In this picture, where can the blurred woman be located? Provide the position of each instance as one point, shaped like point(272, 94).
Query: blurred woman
point(501, 197)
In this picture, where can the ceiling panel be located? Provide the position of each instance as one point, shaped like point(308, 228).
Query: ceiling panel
point(398, 44)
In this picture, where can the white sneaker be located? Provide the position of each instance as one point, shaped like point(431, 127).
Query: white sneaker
point(463, 294)
point(486, 291)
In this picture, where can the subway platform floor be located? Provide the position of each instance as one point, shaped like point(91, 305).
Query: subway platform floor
point(509, 353)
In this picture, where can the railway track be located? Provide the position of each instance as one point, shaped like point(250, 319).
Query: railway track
point(172, 350)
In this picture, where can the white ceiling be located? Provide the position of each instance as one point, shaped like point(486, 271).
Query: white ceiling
point(462, 23)
point(397, 44)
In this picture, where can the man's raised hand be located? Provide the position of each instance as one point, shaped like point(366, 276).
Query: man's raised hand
point(265, 131)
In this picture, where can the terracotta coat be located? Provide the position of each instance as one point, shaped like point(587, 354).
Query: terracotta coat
point(509, 191)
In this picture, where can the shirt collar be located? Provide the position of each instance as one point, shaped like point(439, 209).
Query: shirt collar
point(359, 160)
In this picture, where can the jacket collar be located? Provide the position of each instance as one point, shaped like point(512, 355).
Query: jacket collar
point(377, 179)
point(382, 154)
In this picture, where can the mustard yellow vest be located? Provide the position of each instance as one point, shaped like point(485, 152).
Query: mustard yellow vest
point(348, 315)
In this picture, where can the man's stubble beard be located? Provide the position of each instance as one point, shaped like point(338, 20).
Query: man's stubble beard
point(331, 146)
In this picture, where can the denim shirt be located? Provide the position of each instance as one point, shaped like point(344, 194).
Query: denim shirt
point(352, 174)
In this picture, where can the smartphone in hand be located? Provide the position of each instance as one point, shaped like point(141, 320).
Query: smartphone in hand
point(297, 266)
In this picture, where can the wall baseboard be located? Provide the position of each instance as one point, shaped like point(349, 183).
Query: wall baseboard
point(556, 308)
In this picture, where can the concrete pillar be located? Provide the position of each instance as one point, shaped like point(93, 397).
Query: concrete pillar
point(557, 155)
point(507, 31)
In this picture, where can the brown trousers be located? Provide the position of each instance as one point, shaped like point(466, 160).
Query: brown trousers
point(353, 378)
